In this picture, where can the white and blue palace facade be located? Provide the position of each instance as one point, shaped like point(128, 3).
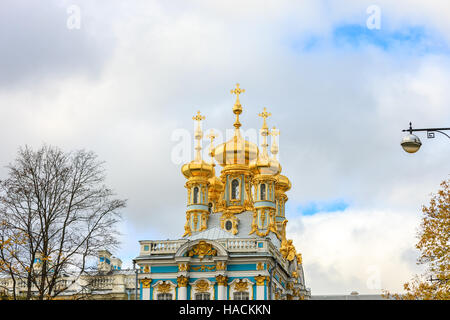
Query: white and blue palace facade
point(234, 245)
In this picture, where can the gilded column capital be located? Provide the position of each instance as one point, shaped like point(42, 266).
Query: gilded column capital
point(260, 280)
point(182, 281)
point(222, 280)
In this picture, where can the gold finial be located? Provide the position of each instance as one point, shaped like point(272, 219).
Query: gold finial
point(274, 132)
point(274, 149)
point(211, 136)
point(237, 109)
point(198, 135)
point(264, 133)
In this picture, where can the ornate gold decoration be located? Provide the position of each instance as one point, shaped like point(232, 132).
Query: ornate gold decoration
point(202, 249)
point(237, 109)
point(222, 280)
point(146, 283)
point(203, 268)
point(241, 285)
point(260, 266)
point(146, 269)
point(202, 286)
point(221, 266)
point(234, 221)
point(164, 287)
point(299, 258)
point(183, 267)
point(260, 280)
point(198, 136)
point(289, 286)
point(187, 226)
point(182, 281)
point(287, 249)
point(264, 115)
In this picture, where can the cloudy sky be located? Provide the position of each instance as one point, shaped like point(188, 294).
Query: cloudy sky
point(125, 78)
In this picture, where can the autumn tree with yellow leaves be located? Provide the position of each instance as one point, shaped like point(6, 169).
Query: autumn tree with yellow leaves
point(434, 248)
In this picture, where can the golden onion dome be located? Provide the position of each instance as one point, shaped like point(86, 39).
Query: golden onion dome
point(267, 167)
point(236, 151)
point(197, 169)
point(283, 183)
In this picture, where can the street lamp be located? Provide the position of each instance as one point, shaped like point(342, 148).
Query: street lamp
point(411, 143)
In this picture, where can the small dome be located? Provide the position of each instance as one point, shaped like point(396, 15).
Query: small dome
point(236, 151)
point(283, 183)
point(197, 169)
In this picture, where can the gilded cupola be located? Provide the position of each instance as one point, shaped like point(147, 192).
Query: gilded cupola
point(236, 151)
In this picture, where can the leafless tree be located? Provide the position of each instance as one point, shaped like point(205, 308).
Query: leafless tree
point(55, 214)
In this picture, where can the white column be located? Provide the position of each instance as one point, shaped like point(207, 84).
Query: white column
point(260, 287)
point(145, 293)
point(182, 287)
point(145, 285)
point(182, 293)
point(260, 292)
point(221, 287)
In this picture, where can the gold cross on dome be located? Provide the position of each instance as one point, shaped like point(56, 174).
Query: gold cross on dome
point(265, 114)
point(237, 91)
point(198, 117)
point(274, 132)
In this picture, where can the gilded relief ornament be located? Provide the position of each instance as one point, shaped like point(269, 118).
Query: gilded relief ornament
point(182, 281)
point(164, 287)
point(202, 286)
point(202, 249)
point(146, 269)
point(299, 258)
point(146, 283)
point(288, 250)
point(183, 267)
point(260, 266)
point(241, 285)
point(203, 268)
point(221, 266)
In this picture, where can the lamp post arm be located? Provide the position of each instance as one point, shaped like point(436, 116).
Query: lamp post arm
point(430, 131)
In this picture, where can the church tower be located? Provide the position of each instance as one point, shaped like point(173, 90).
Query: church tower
point(234, 245)
point(198, 173)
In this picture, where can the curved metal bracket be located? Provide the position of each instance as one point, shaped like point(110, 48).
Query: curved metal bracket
point(442, 133)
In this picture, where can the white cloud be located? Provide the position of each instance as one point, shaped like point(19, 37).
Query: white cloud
point(344, 251)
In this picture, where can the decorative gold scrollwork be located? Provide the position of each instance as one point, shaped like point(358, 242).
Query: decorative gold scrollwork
point(202, 249)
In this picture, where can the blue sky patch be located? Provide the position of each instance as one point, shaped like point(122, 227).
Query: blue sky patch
point(414, 39)
point(314, 207)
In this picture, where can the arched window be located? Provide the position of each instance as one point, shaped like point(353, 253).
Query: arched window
point(234, 189)
point(196, 195)
point(263, 192)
